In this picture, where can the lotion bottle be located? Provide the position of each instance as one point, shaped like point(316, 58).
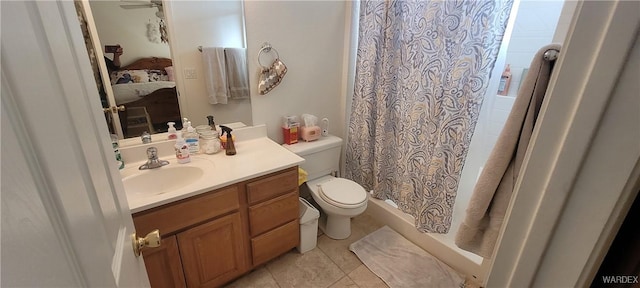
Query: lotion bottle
point(182, 150)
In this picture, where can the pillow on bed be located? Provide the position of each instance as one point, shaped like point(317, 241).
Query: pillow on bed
point(157, 75)
point(129, 76)
point(170, 73)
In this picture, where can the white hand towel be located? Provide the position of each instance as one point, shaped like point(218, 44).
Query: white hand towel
point(237, 75)
point(215, 74)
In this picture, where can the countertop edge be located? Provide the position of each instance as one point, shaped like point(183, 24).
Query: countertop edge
point(290, 160)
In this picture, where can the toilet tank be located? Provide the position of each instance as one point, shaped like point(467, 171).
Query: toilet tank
point(321, 156)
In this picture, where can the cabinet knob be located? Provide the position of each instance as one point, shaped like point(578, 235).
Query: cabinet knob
point(151, 240)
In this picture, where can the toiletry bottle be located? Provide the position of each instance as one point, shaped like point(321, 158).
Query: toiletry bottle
point(505, 80)
point(223, 138)
point(116, 150)
point(184, 127)
point(192, 139)
point(182, 150)
point(212, 123)
point(146, 137)
point(230, 146)
point(172, 132)
point(290, 130)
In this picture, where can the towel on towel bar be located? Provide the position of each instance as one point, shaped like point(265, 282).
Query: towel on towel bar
point(237, 75)
point(488, 205)
point(215, 74)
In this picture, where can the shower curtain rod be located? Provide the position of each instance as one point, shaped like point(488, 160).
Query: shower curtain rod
point(551, 54)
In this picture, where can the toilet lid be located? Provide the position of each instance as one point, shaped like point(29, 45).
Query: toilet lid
point(342, 192)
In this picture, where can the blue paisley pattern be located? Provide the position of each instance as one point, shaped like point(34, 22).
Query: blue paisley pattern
point(421, 73)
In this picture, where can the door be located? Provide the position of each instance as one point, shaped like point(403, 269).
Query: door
point(65, 217)
point(94, 41)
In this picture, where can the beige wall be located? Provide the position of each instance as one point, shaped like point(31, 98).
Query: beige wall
point(208, 24)
point(309, 36)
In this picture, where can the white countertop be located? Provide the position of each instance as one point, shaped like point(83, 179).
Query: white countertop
point(254, 158)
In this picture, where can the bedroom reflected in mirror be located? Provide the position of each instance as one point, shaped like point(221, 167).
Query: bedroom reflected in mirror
point(147, 90)
point(134, 39)
point(127, 45)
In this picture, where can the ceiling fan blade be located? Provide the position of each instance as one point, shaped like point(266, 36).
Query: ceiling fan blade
point(137, 1)
point(137, 6)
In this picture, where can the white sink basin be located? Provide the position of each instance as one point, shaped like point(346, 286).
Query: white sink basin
point(161, 180)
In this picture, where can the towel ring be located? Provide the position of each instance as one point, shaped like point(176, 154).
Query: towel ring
point(266, 47)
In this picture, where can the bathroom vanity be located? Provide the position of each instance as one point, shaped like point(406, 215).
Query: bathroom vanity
point(217, 229)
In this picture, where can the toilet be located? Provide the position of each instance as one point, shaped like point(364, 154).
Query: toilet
point(339, 198)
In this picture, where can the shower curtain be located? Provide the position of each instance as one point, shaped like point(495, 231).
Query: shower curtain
point(422, 68)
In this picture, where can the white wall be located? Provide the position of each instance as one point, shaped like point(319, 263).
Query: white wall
point(207, 24)
point(127, 27)
point(309, 36)
point(534, 27)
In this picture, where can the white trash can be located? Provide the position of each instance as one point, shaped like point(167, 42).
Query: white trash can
point(308, 226)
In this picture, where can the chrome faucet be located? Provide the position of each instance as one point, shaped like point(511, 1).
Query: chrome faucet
point(153, 161)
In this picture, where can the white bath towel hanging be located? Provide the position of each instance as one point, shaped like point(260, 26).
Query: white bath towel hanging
point(480, 228)
point(215, 74)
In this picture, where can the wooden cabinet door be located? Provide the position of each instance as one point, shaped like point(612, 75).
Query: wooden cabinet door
point(213, 253)
point(163, 264)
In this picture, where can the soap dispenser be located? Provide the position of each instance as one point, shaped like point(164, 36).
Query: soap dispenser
point(182, 150)
point(212, 124)
point(230, 146)
point(172, 132)
point(192, 139)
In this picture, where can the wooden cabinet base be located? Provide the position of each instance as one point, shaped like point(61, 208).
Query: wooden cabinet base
point(275, 242)
point(207, 239)
point(213, 253)
point(163, 264)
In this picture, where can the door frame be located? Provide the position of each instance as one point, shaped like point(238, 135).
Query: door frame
point(56, 114)
point(573, 116)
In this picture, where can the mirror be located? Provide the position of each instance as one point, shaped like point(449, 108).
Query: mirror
point(189, 24)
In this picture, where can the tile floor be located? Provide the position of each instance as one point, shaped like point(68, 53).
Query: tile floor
point(330, 264)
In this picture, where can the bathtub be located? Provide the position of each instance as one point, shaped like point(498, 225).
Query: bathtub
point(440, 246)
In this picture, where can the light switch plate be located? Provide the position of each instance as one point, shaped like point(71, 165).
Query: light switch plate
point(190, 73)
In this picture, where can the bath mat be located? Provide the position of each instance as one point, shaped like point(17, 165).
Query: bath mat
point(400, 263)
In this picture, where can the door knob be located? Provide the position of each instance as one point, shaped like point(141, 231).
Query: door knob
point(114, 109)
point(151, 240)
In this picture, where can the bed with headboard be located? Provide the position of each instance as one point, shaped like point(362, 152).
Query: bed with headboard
point(148, 83)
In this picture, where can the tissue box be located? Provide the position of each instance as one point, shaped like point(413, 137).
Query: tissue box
point(310, 133)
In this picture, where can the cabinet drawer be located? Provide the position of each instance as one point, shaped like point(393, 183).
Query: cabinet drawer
point(272, 186)
point(273, 243)
point(273, 213)
point(176, 216)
